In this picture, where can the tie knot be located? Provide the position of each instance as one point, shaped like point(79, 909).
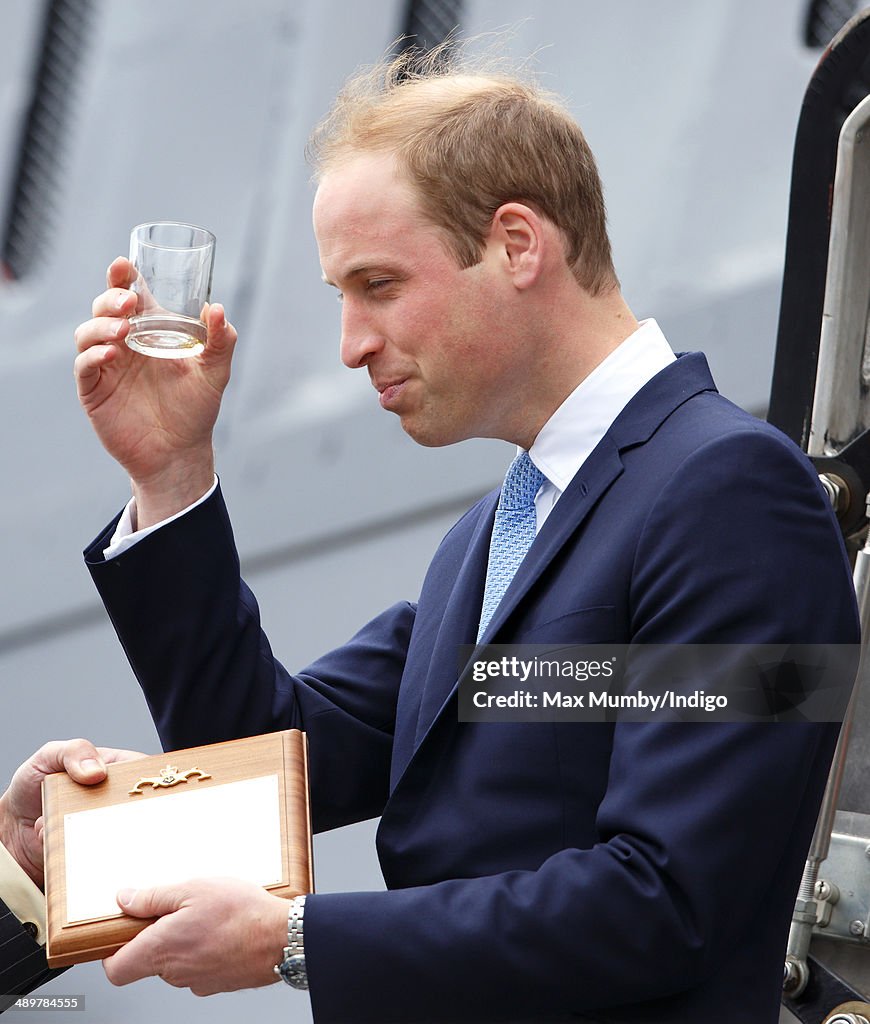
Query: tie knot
point(521, 483)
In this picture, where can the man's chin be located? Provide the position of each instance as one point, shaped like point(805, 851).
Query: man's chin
point(429, 435)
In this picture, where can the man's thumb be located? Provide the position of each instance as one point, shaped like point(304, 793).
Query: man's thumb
point(149, 902)
point(221, 333)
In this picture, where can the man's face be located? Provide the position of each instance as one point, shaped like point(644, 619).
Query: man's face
point(434, 338)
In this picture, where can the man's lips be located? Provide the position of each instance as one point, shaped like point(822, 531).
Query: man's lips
point(390, 391)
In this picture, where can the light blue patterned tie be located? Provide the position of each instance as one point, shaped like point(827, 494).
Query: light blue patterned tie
point(512, 533)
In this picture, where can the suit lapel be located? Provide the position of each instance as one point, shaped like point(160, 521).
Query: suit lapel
point(459, 622)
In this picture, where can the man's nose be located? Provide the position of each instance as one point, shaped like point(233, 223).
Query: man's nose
point(360, 340)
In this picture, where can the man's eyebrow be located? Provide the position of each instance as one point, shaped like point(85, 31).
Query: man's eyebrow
point(358, 271)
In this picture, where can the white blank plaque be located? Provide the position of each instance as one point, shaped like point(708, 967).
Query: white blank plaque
point(232, 830)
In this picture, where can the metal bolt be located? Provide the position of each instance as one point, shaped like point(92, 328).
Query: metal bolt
point(856, 927)
point(837, 491)
point(795, 977)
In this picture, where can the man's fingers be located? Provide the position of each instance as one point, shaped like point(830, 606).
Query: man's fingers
point(132, 962)
point(113, 755)
point(125, 967)
point(100, 331)
point(89, 366)
point(114, 302)
point(120, 273)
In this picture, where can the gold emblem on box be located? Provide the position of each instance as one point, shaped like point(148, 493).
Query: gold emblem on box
point(169, 776)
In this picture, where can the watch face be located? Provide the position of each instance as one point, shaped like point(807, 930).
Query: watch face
point(292, 970)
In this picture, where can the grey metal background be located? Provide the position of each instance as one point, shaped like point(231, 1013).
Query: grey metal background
point(198, 110)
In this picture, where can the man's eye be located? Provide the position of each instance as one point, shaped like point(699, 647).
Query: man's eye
point(380, 282)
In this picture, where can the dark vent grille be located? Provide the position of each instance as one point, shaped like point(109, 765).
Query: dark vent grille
point(430, 22)
point(825, 18)
point(35, 184)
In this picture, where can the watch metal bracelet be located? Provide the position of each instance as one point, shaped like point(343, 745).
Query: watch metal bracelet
point(292, 967)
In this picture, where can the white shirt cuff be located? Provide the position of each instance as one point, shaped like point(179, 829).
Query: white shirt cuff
point(125, 536)
point(19, 893)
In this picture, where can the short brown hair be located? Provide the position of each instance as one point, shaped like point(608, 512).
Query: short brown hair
point(471, 140)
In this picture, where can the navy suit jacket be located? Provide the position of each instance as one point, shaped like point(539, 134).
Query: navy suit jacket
point(22, 960)
point(540, 871)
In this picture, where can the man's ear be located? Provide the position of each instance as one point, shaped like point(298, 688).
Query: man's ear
point(517, 232)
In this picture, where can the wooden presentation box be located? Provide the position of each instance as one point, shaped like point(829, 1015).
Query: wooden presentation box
point(237, 809)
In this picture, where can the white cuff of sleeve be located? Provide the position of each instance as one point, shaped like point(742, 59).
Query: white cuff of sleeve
point(125, 536)
point(18, 892)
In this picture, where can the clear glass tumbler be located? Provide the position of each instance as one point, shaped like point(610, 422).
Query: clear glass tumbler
point(174, 265)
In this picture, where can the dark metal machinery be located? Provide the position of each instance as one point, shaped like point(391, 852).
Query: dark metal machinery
point(820, 397)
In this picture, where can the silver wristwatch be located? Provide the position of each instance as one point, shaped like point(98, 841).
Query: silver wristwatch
point(292, 967)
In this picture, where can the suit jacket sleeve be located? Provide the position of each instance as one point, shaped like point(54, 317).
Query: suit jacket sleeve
point(209, 674)
point(22, 960)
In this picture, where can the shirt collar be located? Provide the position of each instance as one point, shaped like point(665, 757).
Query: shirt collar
point(568, 437)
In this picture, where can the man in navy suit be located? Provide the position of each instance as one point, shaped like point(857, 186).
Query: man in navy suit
point(640, 871)
point(22, 906)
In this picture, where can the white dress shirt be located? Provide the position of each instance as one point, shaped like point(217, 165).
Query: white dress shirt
point(568, 437)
